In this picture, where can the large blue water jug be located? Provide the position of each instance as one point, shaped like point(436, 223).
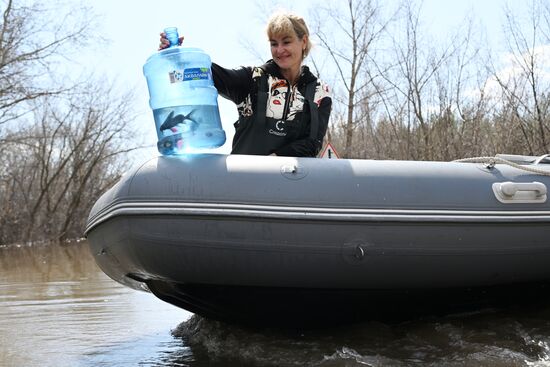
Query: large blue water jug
point(183, 98)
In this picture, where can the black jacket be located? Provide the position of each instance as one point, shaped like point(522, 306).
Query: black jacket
point(286, 130)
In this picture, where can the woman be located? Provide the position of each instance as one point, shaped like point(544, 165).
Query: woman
point(283, 108)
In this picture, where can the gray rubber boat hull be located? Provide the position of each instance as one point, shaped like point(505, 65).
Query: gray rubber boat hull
point(244, 238)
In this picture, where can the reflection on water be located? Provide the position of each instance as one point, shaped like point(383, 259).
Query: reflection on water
point(58, 309)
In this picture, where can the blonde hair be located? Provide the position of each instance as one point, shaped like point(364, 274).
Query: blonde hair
point(288, 24)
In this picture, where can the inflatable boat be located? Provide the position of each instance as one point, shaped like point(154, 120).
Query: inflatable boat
point(271, 239)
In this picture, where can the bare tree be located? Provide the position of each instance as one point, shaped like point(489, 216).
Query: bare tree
point(425, 99)
point(525, 92)
point(415, 76)
point(33, 39)
point(348, 31)
point(58, 166)
point(61, 141)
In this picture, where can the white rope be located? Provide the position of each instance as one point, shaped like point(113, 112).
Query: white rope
point(491, 161)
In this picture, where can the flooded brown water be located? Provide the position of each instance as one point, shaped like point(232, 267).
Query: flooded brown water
point(58, 309)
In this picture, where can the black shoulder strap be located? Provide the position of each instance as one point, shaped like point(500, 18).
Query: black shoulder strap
point(310, 98)
point(261, 103)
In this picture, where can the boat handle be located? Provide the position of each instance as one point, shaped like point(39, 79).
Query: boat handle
point(520, 192)
point(511, 188)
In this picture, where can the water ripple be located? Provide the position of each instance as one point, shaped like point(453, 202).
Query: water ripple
point(58, 309)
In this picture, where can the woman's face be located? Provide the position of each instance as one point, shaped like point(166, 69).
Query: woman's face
point(287, 51)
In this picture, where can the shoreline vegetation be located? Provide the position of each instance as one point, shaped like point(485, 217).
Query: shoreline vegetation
point(399, 95)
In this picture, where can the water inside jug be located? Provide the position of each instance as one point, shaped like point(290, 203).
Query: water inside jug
point(183, 98)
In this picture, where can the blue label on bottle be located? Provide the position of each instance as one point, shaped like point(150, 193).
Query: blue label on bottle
point(196, 74)
point(177, 76)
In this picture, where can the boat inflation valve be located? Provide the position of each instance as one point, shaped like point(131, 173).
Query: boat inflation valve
point(290, 169)
point(293, 171)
